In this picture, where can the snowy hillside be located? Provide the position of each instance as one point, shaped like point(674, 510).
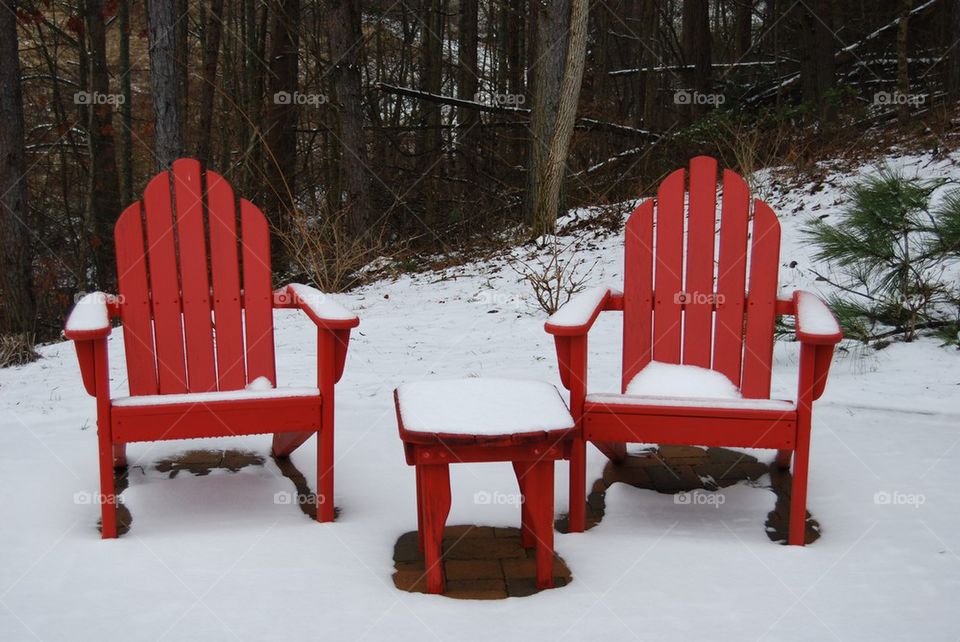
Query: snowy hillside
point(216, 557)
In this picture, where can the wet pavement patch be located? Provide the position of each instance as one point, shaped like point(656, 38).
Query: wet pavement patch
point(479, 563)
point(677, 469)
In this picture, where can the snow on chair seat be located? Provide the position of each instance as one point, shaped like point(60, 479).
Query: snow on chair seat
point(481, 406)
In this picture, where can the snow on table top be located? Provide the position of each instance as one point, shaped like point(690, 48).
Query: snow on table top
point(90, 313)
point(482, 406)
point(259, 388)
point(660, 379)
point(814, 317)
point(321, 304)
point(578, 310)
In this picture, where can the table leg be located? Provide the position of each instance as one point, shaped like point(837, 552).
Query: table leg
point(522, 470)
point(419, 510)
point(435, 497)
point(541, 505)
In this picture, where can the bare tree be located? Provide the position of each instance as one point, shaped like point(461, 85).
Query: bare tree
point(213, 28)
point(16, 282)
point(553, 169)
point(168, 144)
point(903, 69)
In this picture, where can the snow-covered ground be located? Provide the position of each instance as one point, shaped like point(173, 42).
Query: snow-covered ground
point(215, 557)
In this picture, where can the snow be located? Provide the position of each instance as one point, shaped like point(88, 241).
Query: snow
point(578, 310)
point(321, 304)
point(90, 313)
point(692, 402)
point(814, 317)
point(260, 384)
point(482, 406)
point(218, 557)
point(676, 380)
point(211, 397)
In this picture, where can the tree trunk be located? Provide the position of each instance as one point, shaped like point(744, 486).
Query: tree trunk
point(182, 25)
point(547, 207)
point(743, 28)
point(817, 61)
point(696, 52)
point(280, 125)
point(345, 31)
point(211, 56)
point(903, 70)
point(953, 56)
point(17, 305)
point(126, 107)
point(547, 72)
point(468, 80)
point(168, 144)
point(103, 197)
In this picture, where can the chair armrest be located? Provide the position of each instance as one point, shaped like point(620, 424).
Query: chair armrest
point(577, 315)
point(815, 322)
point(90, 317)
point(319, 307)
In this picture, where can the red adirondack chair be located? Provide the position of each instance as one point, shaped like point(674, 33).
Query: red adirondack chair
point(681, 306)
point(198, 332)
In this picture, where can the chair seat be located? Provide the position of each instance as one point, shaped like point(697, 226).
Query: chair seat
point(216, 414)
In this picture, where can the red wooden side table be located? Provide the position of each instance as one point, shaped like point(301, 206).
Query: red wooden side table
point(484, 420)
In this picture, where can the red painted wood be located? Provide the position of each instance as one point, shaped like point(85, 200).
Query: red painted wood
point(698, 283)
point(257, 292)
point(435, 492)
point(638, 291)
point(682, 429)
point(195, 283)
point(225, 275)
point(326, 357)
point(801, 459)
point(761, 302)
point(731, 276)
point(165, 286)
point(215, 419)
point(522, 470)
point(108, 496)
point(136, 311)
point(540, 500)
point(668, 269)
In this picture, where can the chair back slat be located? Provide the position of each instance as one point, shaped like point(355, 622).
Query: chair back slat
point(731, 276)
point(136, 312)
point(165, 286)
point(637, 291)
point(257, 292)
point(761, 303)
point(668, 268)
point(225, 275)
point(698, 294)
point(195, 285)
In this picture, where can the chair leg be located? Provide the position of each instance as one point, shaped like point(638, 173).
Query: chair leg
point(578, 481)
point(798, 491)
point(783, 459)
point(419, 510)
point(522, 471)
point(325, 473)
point(108, 498)
point(436, 508)
point(541, 506)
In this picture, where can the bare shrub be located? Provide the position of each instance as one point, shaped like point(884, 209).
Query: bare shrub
point(16, 350)
point(555, 276)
